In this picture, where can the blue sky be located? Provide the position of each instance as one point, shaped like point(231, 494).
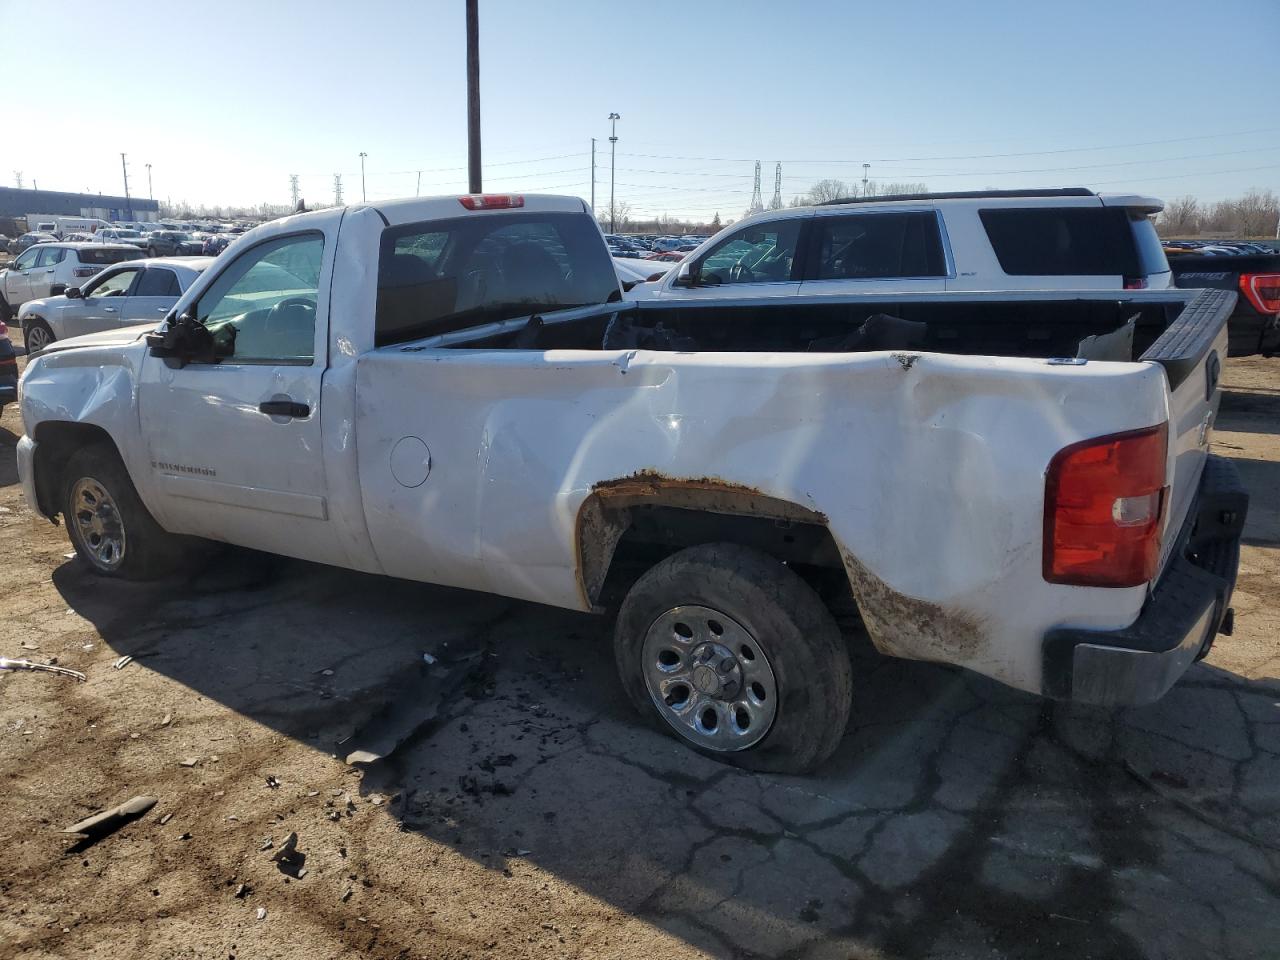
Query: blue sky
point(227, 99)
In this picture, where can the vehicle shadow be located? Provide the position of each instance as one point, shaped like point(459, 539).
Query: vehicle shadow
point(8, 457)
point(1263, 527)
point(1251, 410)
point(958, 818)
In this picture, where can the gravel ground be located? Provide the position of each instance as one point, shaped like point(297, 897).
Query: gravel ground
point(537, 817)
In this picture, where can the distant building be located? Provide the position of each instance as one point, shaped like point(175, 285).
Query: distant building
point(16, 203)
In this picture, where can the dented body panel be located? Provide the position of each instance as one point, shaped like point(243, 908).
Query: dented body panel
point(929, 475)
point(513, 470)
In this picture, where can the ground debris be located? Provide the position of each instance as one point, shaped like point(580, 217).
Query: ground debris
point(262, 913)
point(7, 664)
point(122, 662)
point(100, 824)
point(189, 762)
point(286, 849)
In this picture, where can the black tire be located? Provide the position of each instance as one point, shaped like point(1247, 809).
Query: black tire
point(148, 550)
point(789, 623)
point(151, 252)
point(42, 330)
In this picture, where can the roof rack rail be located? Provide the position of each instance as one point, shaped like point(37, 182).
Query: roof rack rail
point(968, 195)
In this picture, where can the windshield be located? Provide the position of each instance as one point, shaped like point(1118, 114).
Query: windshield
point(445, 274)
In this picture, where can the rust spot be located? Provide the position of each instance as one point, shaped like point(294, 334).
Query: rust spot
point(906, 359)
point(902, 626)
point(606, 514)
point(700, 493)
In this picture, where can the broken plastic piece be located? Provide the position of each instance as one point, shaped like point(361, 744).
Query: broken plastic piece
point(108, 820)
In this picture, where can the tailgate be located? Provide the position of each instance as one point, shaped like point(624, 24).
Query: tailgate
point(1191, 352)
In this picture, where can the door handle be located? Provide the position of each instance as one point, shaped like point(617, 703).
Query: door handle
point(284, 408)
point(50, 270)
point(108, 309)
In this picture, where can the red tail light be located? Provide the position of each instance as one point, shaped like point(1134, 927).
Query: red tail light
point(1135, 283)
point(491, 201)
point(1104, 500)
point(1262, 290)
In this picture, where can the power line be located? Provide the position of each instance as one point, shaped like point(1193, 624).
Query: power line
point(974, 156)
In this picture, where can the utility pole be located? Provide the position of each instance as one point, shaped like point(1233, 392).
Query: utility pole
point(613, 157)
point(150, 193)
point(593, 176)
point(293, 188)
point(364, 198)
point(128, 202)
point(418, 189)
point(473, 97)
point(337, 189)
point(34, 185)
point(866, 169)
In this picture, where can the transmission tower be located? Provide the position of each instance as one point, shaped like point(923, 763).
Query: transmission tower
point(776, 202)
point(17, 178)
point(337, 189)
point(757, 204)
point(293, 189)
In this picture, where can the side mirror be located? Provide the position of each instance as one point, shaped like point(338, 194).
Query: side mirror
point(686, 276)
point(73, 293)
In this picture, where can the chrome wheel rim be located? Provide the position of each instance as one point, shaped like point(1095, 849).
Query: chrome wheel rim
point(98, 525)
point(709, 678)
point(37, 338)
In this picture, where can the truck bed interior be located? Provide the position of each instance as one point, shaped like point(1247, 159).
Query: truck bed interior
point(1096, 329)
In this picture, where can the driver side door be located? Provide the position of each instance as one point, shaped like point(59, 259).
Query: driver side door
point(235, 445)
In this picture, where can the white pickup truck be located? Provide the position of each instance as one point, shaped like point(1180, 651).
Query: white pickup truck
point(451, 390)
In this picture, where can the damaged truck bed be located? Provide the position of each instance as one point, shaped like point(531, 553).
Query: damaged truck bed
point(1015, 483)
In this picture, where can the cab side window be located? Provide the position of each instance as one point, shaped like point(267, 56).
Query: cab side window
point(50, 256)
point(262, 308)
point(158, 282)
point(755, 254)
point(115, 285)
point(864, 246)
point(27, 260)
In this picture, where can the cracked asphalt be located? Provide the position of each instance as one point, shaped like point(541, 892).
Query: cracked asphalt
point(538, 816)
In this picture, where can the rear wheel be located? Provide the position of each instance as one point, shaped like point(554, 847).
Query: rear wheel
point(37, 335)
point(738, 657)
point(110, 528)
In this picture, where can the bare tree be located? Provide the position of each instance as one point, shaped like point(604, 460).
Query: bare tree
point(825, 190)
point(1180, 217)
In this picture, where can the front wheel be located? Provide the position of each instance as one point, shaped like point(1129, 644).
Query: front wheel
point(37, 335)
point(109, 526)
point(738, 657)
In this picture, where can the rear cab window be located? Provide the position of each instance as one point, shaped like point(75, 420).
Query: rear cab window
point(443, 275)
point(1063, 241)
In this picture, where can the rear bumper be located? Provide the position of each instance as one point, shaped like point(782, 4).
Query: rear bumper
point(8, 372)
point(1189, 606)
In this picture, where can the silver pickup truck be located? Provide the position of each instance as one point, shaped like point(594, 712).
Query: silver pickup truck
point(452, 390)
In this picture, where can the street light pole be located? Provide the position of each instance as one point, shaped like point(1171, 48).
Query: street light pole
point(473, 97)
point(613, 153)
point(593, 176)
point(150, 194)
point(866, 167)
point(363, 197)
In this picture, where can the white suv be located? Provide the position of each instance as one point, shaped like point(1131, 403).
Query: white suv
point(47, 269)
point(1068, 238)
